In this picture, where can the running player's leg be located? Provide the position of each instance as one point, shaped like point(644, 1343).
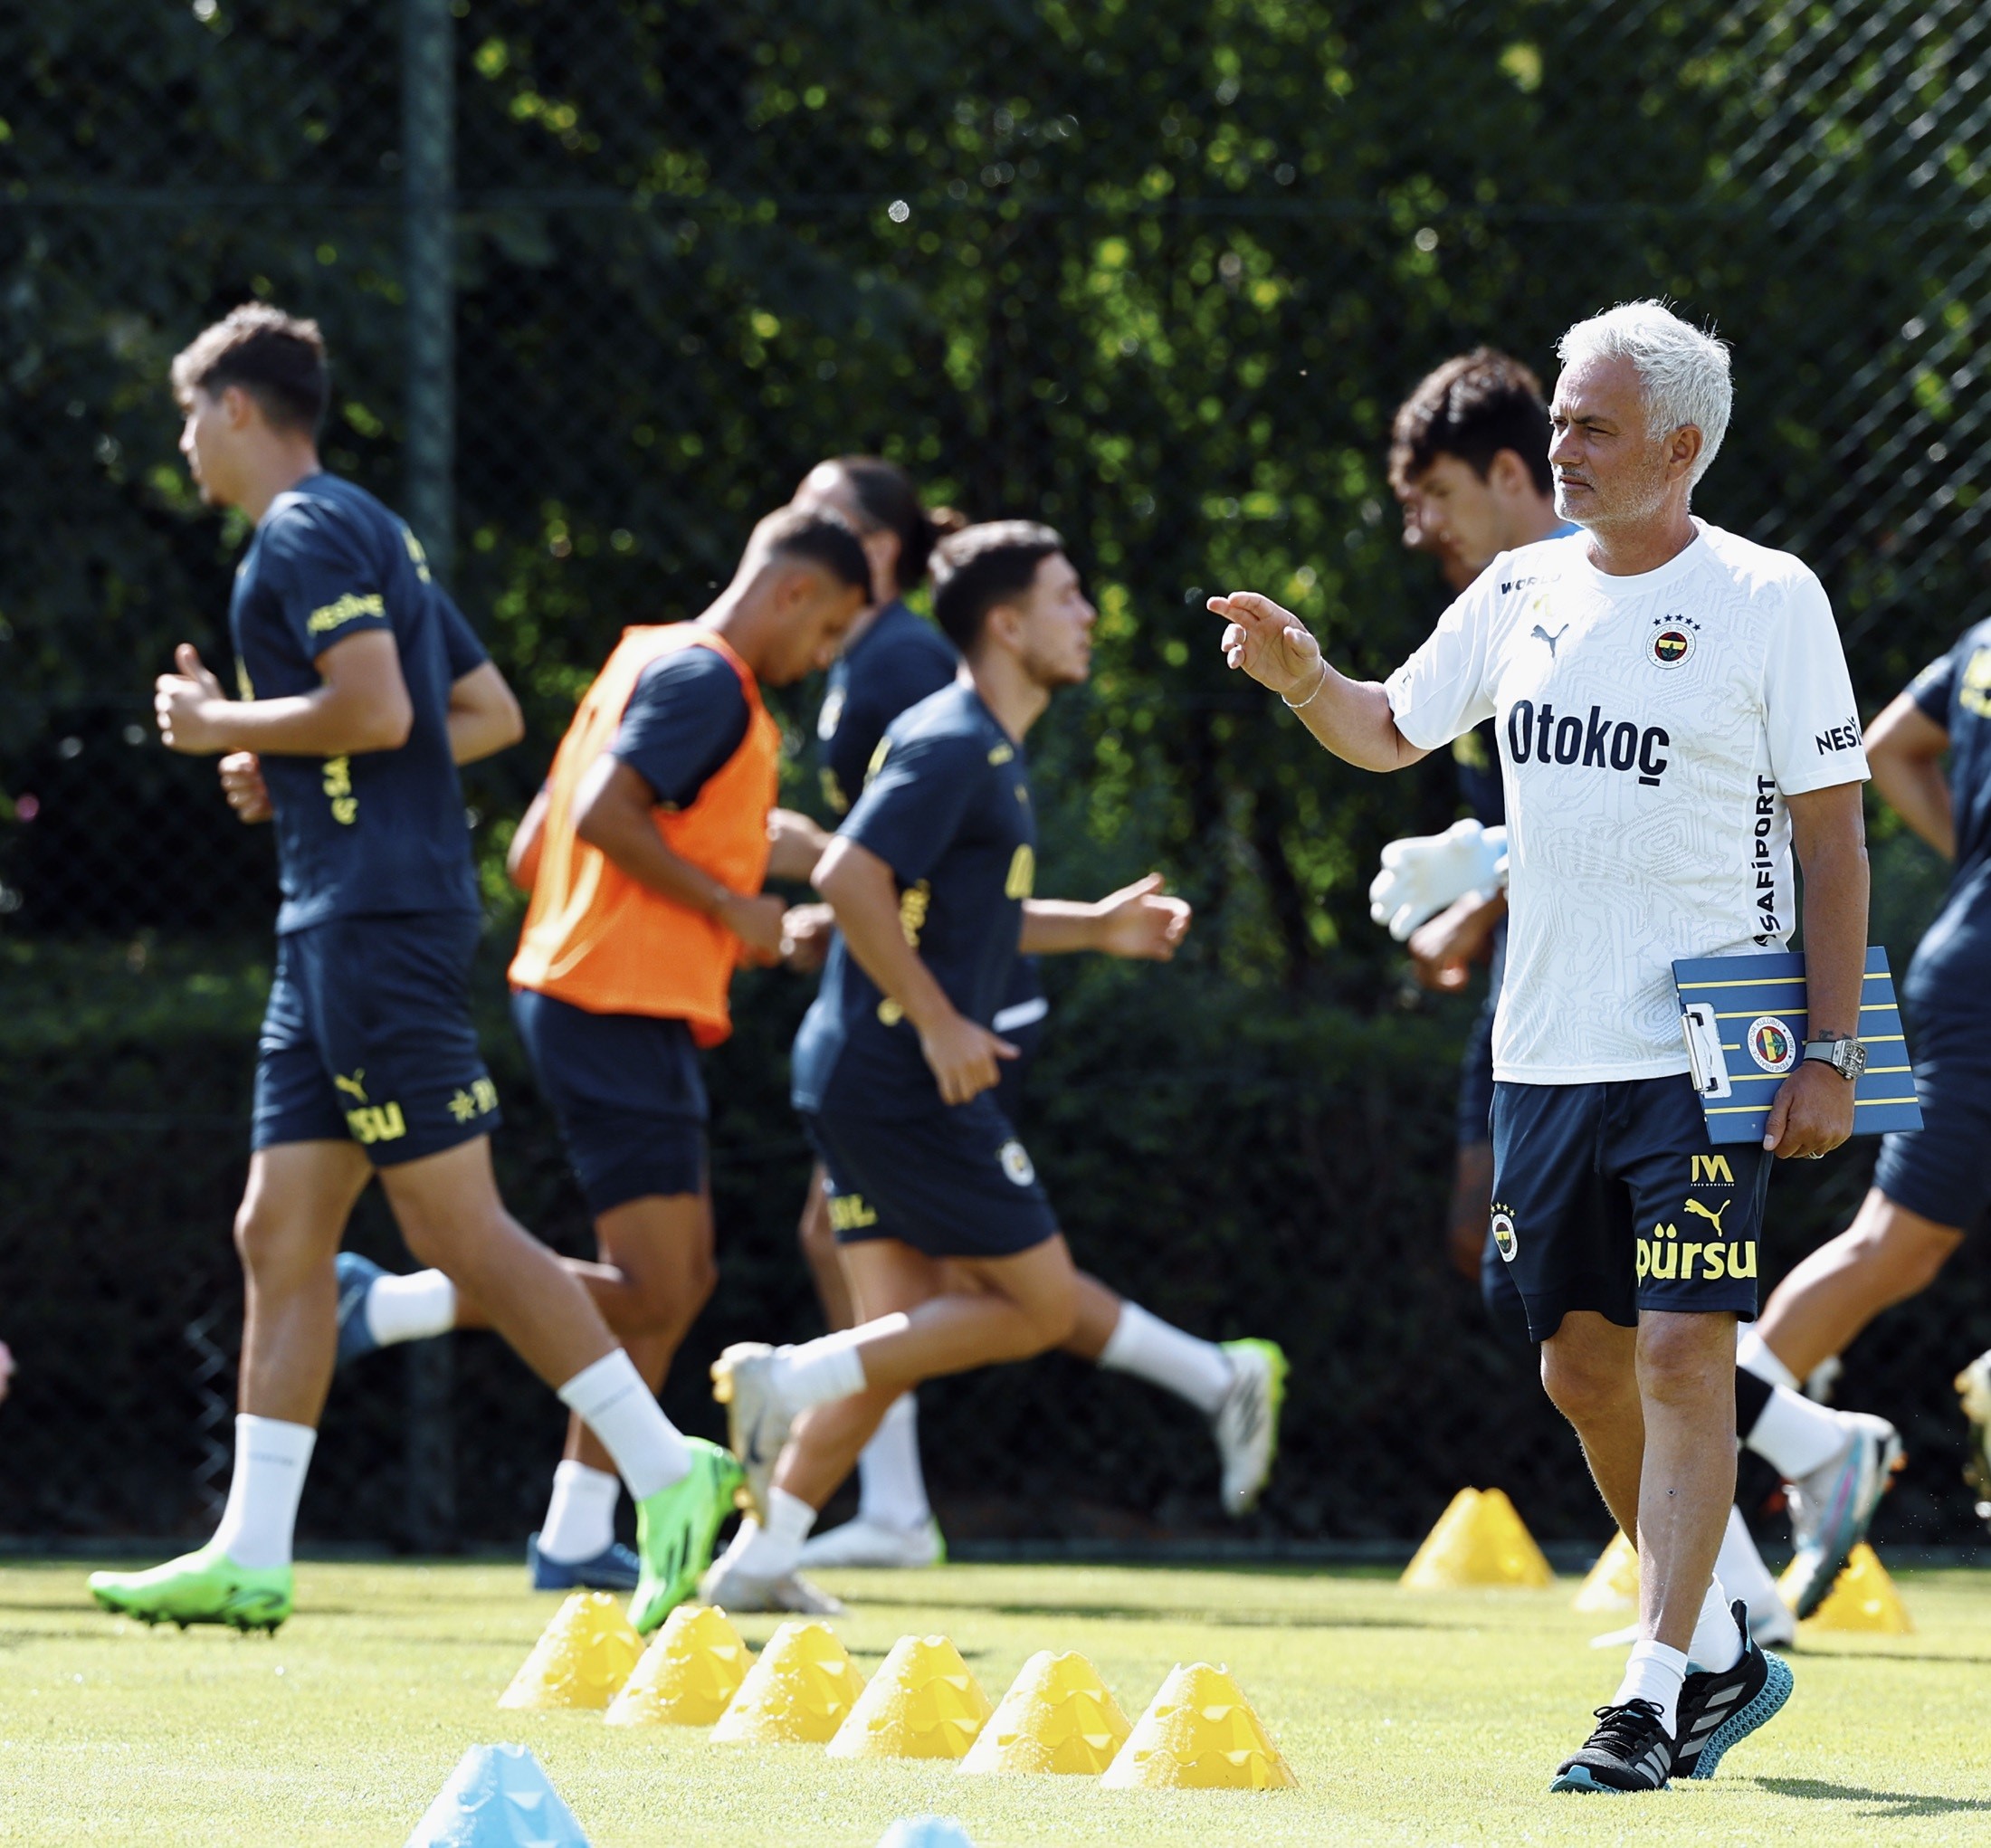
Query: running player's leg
point(305, 1172)
point(1238, 1385)
point(1836, 1467)
point(894, 1524)
point(1888, 1255)
point(827, 1397)
point(451, 1214)
point(658, 1268)
point(293, 1215)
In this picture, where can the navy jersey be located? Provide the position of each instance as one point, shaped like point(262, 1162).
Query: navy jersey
point(949, 810)
point(382, 831)
point(893, 665)
point(685, 718)
point(1955, 692)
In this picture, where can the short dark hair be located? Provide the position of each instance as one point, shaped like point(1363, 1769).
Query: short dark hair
point(276, 357)
point(1473, 407)
point(823, 536)
point(887, 498)
point(982, 565)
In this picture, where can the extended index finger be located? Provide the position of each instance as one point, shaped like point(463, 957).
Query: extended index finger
point(1250, 609)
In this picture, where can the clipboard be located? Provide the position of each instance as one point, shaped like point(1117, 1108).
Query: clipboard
point(1744, 1021)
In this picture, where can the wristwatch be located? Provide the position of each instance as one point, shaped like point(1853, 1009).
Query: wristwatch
point(1842, 1052)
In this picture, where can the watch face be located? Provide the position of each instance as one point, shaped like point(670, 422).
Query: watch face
point(1853, 1056)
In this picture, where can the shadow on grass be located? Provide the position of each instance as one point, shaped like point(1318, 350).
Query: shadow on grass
point(1811, 1653)
point(1885, 1803)
point(1161, 1614)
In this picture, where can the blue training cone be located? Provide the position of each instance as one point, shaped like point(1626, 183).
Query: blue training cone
point(498, 1796)
point(925, 1832)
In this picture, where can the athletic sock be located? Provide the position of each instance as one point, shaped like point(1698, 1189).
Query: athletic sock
point(271, 1458)
point(1717, 1644)
point(813, 1373)
point(411, 1308)
point(580, 1519)
point(1752, 1392)
point(1796, 1435)
point(892, 1488)
point(1185, 1365)
point(615, 1404)
point(1752, 1353)
point(1654, 1673)
point(773, 1551)
point(1743, 1574)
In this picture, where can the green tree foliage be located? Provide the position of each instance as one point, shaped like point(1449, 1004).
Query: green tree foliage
point(1157, 273)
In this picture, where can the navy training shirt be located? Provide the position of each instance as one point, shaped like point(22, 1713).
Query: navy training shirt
point(378, 832)
point(686, 717)
point(898, 662)
point(948, 811)
point(1955, 692)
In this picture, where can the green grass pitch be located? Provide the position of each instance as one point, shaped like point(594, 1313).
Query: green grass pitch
point(1409, 1718)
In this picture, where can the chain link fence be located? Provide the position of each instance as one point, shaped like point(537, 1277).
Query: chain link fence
point(601, 282)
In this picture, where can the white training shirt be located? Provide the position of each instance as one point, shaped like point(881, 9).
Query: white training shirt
point(1650, 731)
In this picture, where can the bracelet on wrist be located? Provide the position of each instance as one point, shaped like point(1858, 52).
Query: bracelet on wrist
point(1295, 705)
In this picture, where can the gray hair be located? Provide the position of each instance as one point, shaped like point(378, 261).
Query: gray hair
point(1684, 371)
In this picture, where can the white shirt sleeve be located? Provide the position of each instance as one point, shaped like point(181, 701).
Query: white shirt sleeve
point(1439, 692)
point(1808, 706)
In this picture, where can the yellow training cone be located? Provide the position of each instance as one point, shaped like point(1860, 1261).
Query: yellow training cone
point(1863, 1598)
point(1479, 1540)
point(689, 1674)
point(797, 1694)
point(1198, 1733)
point(582, 1657)
point(1057, 1716)
point(1612, 1583)
point(922, 1703)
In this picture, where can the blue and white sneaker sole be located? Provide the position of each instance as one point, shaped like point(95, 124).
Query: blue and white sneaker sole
point(1855, 1499)
point(1738, 1727)
point(1579, 1779)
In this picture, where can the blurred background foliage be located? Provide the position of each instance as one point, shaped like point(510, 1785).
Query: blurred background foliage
point(1158, 274)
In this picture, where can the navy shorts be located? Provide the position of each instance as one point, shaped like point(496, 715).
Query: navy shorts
point(1943, 1170)
point(952, 1182)
point(1022, 1027)
point(1610, 1197)
point(368, 1036)
point(627, 1091)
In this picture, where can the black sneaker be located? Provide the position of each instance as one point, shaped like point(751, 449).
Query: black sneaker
point(1718, 1710)
point(1628, 1752)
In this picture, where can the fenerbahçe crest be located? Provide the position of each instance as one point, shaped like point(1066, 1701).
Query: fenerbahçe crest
point(1772, 1043)
point(1015, 1160)
point(1506, 1241)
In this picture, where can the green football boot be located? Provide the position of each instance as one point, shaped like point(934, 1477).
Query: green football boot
point(203, 1588)
point(675, 1530)
point(1246, 1424)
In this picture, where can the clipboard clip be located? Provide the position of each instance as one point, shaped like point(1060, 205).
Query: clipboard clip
point(1703, 1037)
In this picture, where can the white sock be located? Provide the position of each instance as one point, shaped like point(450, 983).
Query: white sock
point(1185, 1364)
point(1752, 1354)
point(580, 1519)
point(1743, 1574)
point(623, 1412)
point(892, 1490)
point(1717, 1644)
point(773, 1551)
point(1654, 1673)
point(271, 1458)
point(1796, 1435)
point(410, 1308)
point(813, 1373)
